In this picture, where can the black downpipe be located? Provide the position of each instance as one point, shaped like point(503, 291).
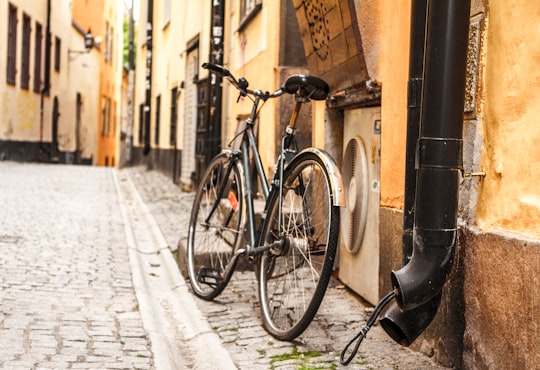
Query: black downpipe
point(404, 327)
point(148, 96)
point(414, 104)
point(438, 161)
point(438, 155)
point(45, 88)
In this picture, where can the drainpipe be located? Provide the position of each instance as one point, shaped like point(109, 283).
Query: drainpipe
point(404, 327)
point(417, 286)
point(148, 85)
point(131, 85)
point(438, 155)
point(46, 73)
point(414, 100)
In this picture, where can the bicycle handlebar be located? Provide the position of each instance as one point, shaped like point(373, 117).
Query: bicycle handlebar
point(217, 69)
point(242, 83)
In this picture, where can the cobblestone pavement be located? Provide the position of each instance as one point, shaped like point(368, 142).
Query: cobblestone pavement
point(68, 296)
point(235, 316)
point(66, 293)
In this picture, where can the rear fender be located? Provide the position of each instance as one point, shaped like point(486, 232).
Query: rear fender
point(336, 182)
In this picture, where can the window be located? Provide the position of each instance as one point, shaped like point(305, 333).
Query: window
point(113, 117)
point(111, 45)
point(108, 118)
point(248, 10)
point(103, 115)
point(166, 12)
point(249, 6)
point(158, 114)
point(246, 7)
point(202, 118)
point(37, 58)
point(174, 115)
point(12, 45)
point(25, 53)
point(106, 50)
point(57, 48)
point(141, 123)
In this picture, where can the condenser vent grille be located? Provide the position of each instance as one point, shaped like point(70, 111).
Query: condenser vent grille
point(356, 183)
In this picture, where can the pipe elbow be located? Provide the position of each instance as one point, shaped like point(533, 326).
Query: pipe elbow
point(405, 326)
point(424, 276)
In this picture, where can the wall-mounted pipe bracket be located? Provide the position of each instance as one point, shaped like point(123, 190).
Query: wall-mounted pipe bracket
point(480, 174)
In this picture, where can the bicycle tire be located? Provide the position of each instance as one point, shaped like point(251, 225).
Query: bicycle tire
point(212, 242)
point(293, 277)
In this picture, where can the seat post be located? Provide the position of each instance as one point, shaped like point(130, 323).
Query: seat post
point(294, 116)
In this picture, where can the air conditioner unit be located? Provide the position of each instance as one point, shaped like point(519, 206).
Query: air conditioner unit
point(359, 230)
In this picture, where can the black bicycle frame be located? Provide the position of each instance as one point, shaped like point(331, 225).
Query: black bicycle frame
point(249, 142)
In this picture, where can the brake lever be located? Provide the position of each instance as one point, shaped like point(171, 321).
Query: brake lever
point(240, 96)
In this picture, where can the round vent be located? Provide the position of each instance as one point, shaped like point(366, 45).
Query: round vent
point(354, 171)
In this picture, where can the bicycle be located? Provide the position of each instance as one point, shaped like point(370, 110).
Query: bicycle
point(293, 247)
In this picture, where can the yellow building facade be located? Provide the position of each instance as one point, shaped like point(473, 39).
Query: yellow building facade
point(104, 19)
point(182, 133)
point(47, 87)
point(168, 81)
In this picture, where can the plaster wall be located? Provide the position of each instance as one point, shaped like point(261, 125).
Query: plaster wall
point(163, 55)
point(84, 70)
point(502, 252)
point(20, 108)
point(60, 83)
point(390, 67)
point(89, 14)
point(96, 16)
point(171, 36)
point(110, 83)
point(140, 73)
point(21, 124)
point(501, 301)
point(253, 54)
point(509, 195)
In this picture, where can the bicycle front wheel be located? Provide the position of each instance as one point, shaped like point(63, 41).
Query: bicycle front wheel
point(215, 227)
point(302, 226)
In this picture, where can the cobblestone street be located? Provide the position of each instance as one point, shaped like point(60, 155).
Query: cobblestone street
point(70, 296)
point(235, 316)
point(66, 294)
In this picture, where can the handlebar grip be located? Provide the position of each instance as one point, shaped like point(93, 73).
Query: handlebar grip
point(216, 69)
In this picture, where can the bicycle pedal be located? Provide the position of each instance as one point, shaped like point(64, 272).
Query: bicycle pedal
point(209, 276)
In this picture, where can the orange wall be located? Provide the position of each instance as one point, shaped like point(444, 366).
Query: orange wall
point(94, 15)
point(387, 50)
point(89, 14)
point(509, 195)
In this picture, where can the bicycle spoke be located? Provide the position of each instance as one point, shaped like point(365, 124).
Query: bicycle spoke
point(295, 276)
point(215, 228)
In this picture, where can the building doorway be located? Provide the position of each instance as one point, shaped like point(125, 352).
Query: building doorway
point(187, 172)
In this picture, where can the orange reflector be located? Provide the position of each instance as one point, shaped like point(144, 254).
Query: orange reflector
point(233, 200)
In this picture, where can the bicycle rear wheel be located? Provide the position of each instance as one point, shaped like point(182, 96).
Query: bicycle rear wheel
point(215, 227)
point(294, 275)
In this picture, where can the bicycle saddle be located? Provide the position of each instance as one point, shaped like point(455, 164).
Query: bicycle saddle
point(306, 86)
